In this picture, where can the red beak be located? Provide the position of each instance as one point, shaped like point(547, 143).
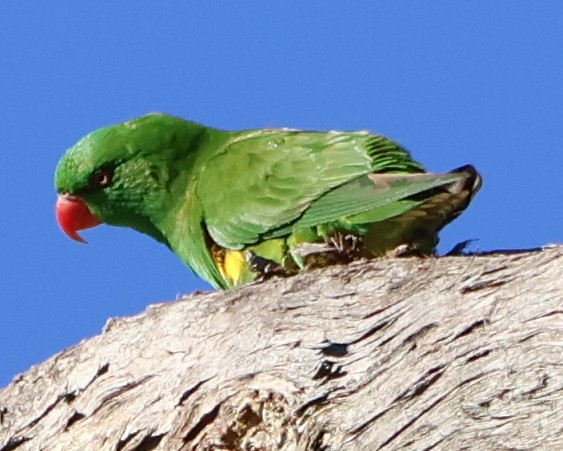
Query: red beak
point(73, 215)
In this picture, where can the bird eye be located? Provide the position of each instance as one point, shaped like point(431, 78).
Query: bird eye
point(101, 178)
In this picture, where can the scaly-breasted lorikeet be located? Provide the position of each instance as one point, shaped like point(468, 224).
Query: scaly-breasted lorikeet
point(238, 205)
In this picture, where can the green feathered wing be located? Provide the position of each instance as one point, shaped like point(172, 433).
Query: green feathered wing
point(262, 184)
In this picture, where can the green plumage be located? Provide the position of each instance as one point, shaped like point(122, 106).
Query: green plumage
point(203, 191)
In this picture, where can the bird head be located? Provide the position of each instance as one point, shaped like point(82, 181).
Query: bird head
point(122, 174)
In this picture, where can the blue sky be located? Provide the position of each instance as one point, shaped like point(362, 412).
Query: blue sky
point(455, 82)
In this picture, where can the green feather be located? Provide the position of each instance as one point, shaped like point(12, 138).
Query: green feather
point(193, 187)
point(383, 201)
point(194, 251)
point(274, 176)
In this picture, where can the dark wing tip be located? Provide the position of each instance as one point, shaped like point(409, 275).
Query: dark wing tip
point(472, 181)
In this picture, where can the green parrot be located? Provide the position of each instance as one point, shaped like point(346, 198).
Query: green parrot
point(237, 206)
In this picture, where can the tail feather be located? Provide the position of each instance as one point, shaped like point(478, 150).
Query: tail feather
point(472, 181)
point(419, 227)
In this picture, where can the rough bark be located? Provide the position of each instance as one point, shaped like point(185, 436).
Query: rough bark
point(437, 353)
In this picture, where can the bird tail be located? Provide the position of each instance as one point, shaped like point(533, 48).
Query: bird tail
point(461, 192)
point(471, 183)
point(419, 227)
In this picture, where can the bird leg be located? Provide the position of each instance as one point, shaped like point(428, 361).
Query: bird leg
point(414, 249)
point(266, 268)
point(347, 246)
point(314, 255)
point(402, 250)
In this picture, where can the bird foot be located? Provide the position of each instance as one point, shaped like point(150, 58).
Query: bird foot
point(407, 250)
point(314, 255)
point(265, 268)
point(347, 246)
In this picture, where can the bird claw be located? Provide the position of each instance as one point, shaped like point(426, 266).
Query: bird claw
point(402, 250)
point(406, 250)
point(264, 267)
point(337, 248)
point(347, 246)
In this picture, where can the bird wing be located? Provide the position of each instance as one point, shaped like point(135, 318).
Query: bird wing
point(381, 196)
point(262, 182)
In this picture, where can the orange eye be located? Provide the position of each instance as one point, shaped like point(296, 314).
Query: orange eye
point(101, 178)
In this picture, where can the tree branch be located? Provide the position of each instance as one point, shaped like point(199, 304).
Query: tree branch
point(435, 353)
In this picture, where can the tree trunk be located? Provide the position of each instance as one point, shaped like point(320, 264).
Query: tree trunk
point(437, 353)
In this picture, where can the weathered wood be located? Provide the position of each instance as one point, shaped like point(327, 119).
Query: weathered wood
point(437, 353)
